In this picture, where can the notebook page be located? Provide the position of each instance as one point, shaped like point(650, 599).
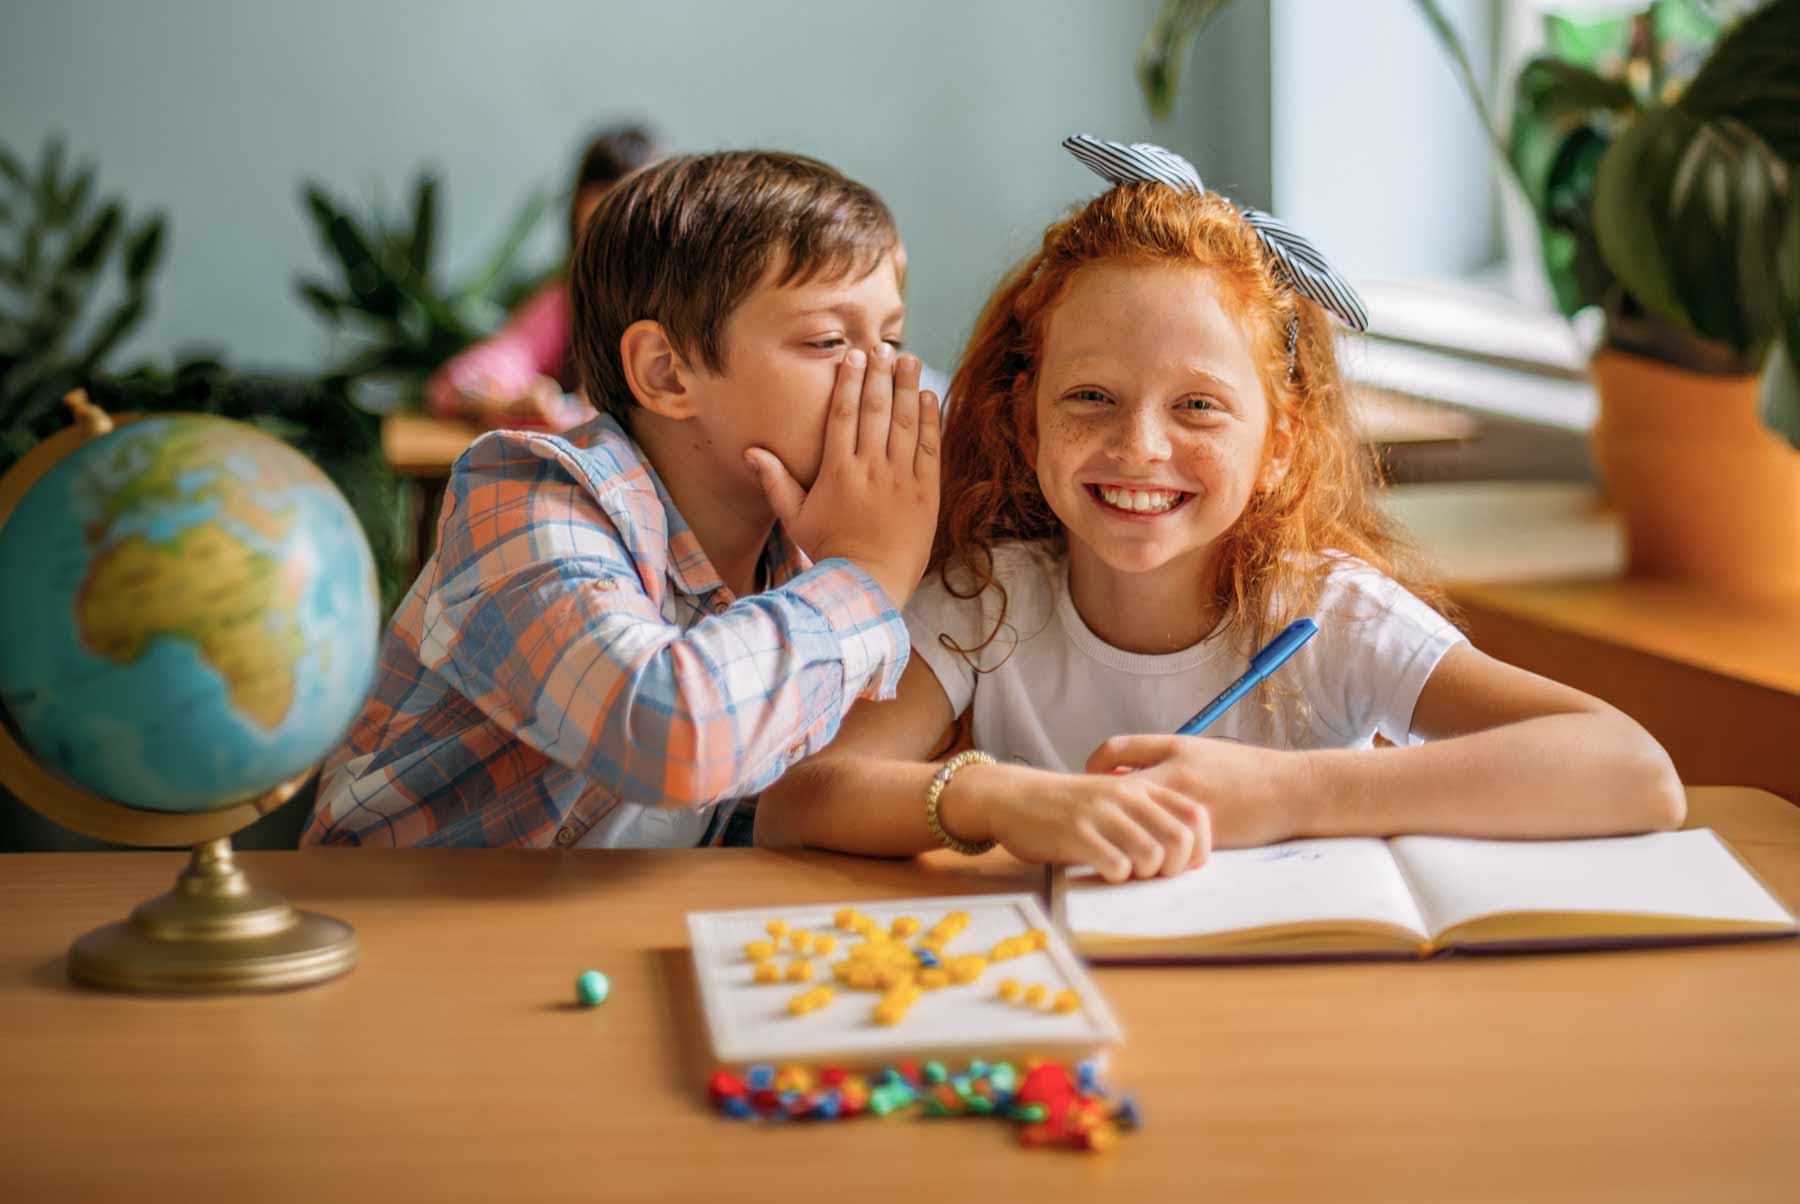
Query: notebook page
point(1297, 882)
point(1661, 873)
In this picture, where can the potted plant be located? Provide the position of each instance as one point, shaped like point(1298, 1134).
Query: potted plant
point(388, 308)
point(63, 250)
point(1673, 208)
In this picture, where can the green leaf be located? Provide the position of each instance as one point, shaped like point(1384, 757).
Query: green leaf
point(13, 170)
point(1753, 76)
point(88, 249)
point(1563, 117)
point(325, 303)
point(31, 245)
point(321, 210)
point(363, 272)
point(49, 174)
point(69, 204)
point(144, 250)
point(1563, 94)
point(112, 331)
point(424, 225)
point(1627, 212)
point(1687, 212)
point(1576, 269)
point(1165, 49)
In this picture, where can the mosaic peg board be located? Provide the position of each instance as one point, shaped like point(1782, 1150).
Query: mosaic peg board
point(750, 1022)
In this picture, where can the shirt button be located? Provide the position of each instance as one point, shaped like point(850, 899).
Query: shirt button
point(565, 836)
point(796, 751)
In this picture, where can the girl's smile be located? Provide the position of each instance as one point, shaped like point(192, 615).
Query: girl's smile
point(1138, 503)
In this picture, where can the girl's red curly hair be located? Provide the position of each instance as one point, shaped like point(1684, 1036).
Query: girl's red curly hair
point(1270, 568)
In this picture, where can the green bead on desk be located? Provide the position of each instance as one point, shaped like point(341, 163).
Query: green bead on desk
point(591, 988)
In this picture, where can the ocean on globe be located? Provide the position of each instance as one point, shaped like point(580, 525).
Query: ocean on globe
point(189, 612)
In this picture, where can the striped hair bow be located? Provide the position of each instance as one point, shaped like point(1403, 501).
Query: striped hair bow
point(1296, 260)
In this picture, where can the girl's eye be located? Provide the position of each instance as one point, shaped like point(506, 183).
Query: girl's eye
point(1201, 404)
point(1093, 395)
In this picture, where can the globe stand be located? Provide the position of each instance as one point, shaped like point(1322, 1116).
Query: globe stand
point(214, 931)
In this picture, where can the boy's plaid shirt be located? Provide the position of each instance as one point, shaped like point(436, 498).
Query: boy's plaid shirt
point(569, 650)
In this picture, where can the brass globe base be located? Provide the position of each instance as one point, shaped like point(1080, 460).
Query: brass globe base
point(214, 932)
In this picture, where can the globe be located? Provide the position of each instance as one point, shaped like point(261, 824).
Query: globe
point(187, 625)
point(190, 613)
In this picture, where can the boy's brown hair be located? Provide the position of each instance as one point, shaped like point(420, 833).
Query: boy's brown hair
point(684, 241)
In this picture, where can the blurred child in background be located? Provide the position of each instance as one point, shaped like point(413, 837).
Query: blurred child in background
point(522, 377)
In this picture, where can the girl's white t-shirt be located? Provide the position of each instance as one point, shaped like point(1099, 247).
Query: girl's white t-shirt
point(1050, 690)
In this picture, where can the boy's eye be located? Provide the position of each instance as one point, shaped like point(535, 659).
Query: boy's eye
point(896, 343)
point(831, 343)
point(1199, 403)
point(1093, 395)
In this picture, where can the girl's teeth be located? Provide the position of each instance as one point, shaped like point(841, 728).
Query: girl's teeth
point(1140, 501)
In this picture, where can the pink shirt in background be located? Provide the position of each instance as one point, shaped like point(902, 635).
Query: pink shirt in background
point(534, 343)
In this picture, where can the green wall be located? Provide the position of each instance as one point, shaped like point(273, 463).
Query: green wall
point(952, 109)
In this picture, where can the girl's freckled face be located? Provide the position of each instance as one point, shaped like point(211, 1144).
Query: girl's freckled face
point(1151, 420)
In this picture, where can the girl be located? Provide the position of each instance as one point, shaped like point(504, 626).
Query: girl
point(1149, 469)
point(522, 376)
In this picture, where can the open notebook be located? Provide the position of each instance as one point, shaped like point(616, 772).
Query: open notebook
point(1413, 896)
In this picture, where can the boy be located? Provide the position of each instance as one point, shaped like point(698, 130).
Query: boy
point(620, 634)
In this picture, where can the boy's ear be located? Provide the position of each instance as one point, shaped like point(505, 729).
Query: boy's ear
point(659, 378)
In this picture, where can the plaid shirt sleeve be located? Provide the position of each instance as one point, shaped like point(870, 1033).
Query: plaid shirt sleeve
point(548, 615)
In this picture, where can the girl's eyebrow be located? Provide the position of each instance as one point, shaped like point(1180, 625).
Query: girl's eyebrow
point(1087, 363)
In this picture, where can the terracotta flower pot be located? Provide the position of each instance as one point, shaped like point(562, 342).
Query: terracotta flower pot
point(1708, 494)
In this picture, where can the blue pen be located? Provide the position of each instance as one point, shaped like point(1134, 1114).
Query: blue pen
point(1262, 664)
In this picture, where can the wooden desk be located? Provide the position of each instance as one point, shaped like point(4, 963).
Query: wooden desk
point(1537, 569)
point(451, 1065)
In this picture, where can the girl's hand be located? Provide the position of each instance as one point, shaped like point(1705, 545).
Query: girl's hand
point(1253, 796)
point(1124, 827)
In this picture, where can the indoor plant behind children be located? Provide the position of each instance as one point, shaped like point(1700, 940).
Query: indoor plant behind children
point(1149, 469)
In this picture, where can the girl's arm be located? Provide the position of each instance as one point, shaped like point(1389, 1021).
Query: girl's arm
point(853, 796)
point(1509, 755)
point(508, 379)
point(865, 793)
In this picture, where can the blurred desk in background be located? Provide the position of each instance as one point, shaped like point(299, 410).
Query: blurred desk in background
point(1537, 568)
point(419, 445)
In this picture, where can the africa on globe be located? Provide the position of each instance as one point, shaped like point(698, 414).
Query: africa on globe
point(190, 614)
